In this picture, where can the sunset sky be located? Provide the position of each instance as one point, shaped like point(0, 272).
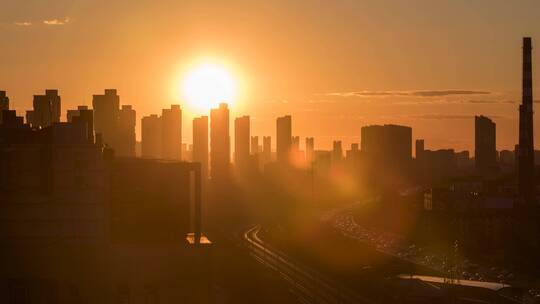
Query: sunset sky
point(334, 65)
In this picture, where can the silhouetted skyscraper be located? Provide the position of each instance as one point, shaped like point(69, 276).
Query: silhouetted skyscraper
point(485, 151)
point(388, 151)
point(151, 136)
point(254, 145)
point(310, 148)
point(85, 116)
point(47, 109)
point(106, 108)
point(125, 140)
point(241, 141)
point(171, 124)
point(337, 151)
point(526, 139)
point(200, 144)
point(4, 103)
point(284, 138)
point(419, 150)
point(267, 149)
point(220, 144)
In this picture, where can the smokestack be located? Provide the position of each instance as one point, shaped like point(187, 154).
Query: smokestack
point(526, 142)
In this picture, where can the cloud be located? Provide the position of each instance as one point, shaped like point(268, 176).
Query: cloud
point(430, 93)
point(491, 101)
point(442, 116)
point(56, 21)
point(23, 23)
point(447, 93)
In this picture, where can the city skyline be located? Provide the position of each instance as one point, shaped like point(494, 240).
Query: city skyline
point(269, 152)
point(355, 88)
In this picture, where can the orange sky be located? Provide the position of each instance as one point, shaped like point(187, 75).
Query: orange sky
point(334, 65)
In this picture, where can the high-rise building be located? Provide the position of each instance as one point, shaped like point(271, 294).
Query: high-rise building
point(337, 151)
point(220, 144)
point(388, 146)
point(85, 116)
point(526, 137)
point(354, 153)
point(106, 110)
point(419, 148)
point(125, 140)
point(46, 110)
point(241, 141)
point(485, 151)
point(151, 136)
point(4, 103)
point(200, 144)
point(284, 138)
point(254, 145)
point(310, 148)
point(267, 149)
point(171, 124)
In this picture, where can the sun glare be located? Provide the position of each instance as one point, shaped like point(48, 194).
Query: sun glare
point(206, 85)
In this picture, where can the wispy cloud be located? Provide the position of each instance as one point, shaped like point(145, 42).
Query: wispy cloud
point(443, 116)
point(56, 21)
point(23, 23)
point(430, 93)
point(447, 93)
point(480, 101)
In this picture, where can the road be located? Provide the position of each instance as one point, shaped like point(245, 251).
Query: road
point(309, 285)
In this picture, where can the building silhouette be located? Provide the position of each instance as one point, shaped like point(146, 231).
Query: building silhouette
point(391, 142)
point(485, 150)
point(4, 103)
point(106, 108)
point(254, 145)
point(171, 128)
point(220, 146)
point(337, 151)
point(85, 116)
point(283, 138)
point(310, 149)
point(526, 137)
point(267, 149)
point(353, 155)
point(151, 136)
point(419, 148)
point(46, 109)
point(200, 144)
point(125, 133)
point(387, 150)
point(241, 141)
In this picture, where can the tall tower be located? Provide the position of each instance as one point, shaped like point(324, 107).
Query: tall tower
point(46, 109)
point(151, 136)
point(125, 140)
point(4, 103)
point(310, 149)
point(200, 144)
point(284, 139)
point(526, 142)
point(241, 141)
point(220, 147)
point(106, 110)
point(171, 128)
point(485, 148)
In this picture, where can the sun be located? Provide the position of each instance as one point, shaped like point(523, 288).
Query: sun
point(207, 84)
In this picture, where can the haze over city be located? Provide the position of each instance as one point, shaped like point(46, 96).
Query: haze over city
point(344, 64)
point(269, 152)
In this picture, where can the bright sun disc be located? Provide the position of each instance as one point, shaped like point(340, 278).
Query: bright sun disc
point(208, 84)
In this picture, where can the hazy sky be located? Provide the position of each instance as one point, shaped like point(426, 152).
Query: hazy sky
point(334, 65)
